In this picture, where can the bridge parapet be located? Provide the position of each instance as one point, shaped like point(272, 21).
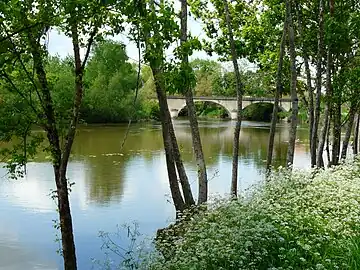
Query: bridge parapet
point(245, 98)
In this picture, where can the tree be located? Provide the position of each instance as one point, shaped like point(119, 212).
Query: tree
point(111, 81)
point(308, 80)
point(320, 44)
point(277, 96)
point(239, 92)
point(146, 19)
point(195, 133)
point(26, 54)
point(206, 72)
point(294, 98)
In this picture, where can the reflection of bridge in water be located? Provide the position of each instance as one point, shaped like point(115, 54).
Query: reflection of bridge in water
point(225, 130)
point(177, 103)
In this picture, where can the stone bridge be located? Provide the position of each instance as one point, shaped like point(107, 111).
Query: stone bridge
point(177, 103)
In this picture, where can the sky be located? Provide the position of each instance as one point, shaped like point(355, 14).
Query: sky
point(59, 44)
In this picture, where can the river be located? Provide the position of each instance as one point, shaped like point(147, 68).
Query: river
point(114, 186)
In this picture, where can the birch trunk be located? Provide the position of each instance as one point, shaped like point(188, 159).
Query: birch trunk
point(294, 98)
point(348, 132)
point(320, 150)
point(165, 119)
point(314, 137)
point(196, 140)
point(277, 97)
point(308, 86)
point(239, 90)
point(356, 134)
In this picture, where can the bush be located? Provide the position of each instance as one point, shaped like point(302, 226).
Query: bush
point(298, 220)
point(150, 110)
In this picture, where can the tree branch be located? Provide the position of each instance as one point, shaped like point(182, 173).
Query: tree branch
point(8, 36)
point(88, 47)
point(18, 55)
point(6, 76)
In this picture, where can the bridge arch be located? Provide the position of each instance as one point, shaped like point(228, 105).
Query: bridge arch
point(205, 101)
point(260, 111)
point(281, 107)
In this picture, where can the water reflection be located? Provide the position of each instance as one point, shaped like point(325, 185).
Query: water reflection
point(115, 185)
point(105, 164)
point(15, 256)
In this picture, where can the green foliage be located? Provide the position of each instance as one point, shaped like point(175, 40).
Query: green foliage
point(298, 220)
point(150, 110)
point(60, 73)
point(111, 83)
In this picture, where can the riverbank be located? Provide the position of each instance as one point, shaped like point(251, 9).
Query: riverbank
point(299, 220)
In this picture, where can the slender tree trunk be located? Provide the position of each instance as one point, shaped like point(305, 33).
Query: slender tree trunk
point(168, 143)
point(314, 137)
point(348, 132)
point(336, 112)
point(320, 150)
point(277, 97)
point(68, 244)
point(336, 131)
point(294, 98)
point(196, 140)
point(68, 247)
point(308, 85)
point(328, 106)
point(172, 151)
point(184, 181)
point(239, 90)
point(356, 134)
point(66, 229)
point(327, 143)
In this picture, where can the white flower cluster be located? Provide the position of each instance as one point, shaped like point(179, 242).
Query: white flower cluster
point(297, 220)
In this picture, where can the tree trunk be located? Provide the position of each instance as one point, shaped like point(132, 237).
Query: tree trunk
point(196, 140)
point(184, 181)
point(168, 142)
point(308, 85)
point(348, 132)
point(336, 131)
point(277, 97)
point(66, 228)
point(356, 134)
point(67, 238)
point(294, 98)
point(239, 90)
point(172, 152)
point(336, 102)
point(314, 137)
point(320, 150)
point(328, 106)
point(328, 143)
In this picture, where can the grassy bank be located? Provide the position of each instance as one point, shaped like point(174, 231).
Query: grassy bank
point(303, 220)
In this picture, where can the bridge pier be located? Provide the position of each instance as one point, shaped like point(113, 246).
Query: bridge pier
point(174, 113)
point(233, 115)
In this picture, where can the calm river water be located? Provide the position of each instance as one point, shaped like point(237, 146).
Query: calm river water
point(114, 187)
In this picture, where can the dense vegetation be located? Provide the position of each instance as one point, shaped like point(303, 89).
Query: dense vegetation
point(299, 220)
